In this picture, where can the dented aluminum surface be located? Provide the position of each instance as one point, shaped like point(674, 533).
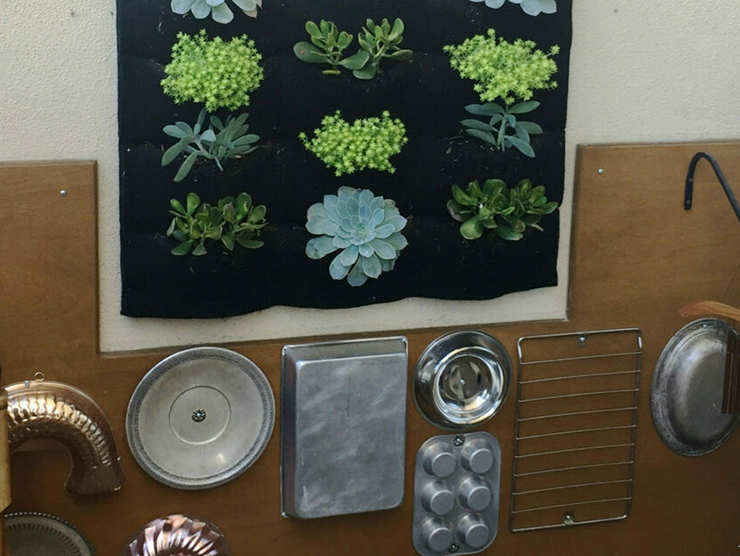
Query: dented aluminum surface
point(343, 427)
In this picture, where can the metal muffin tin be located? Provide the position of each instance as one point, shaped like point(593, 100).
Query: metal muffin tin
point(37, 534)
point(456, 494)
point(686, 396)
point(200, 418)
point(461, 379)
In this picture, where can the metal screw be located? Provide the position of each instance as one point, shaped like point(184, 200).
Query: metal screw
point(454, 547)
point(582, 340)
point(601, 171)
point(459, 440)
point(569, 519)
point(63, 192)
point(199, 415)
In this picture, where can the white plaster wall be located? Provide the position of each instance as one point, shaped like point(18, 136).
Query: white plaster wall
point(663, 70)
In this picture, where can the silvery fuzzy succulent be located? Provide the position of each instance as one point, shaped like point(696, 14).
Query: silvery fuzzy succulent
point(531, 7)
point(365, 229)
point(218, 9)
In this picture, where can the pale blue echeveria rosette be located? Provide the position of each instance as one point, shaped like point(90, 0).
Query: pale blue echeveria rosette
point(365, 229)
point(218, 9)
point(531, 7)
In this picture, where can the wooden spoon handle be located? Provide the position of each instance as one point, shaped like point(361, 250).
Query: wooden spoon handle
point(710, 308)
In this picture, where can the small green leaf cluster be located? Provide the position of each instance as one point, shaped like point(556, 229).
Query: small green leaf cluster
point(232, 221)
point(377, 41)
point(327, 46)
point(381, 41)
point(504, 70)
point(530, 7)
point(508, 212)
point(366, 143)
point(214, 72)
point(218, 9)
point(502, 120)
point(220, 142)
point(365, 229)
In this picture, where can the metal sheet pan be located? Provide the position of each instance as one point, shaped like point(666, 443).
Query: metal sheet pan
point(343, 430)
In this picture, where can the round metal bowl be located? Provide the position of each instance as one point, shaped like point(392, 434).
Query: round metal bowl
point(36, 534)
point(461, 379)
point(200, 418)
point(686, 395)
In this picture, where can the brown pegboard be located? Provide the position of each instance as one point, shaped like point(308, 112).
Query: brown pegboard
point(638, 257)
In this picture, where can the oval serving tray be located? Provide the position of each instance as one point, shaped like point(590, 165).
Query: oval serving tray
point(36, 534)
point(686, 396)
point(200, 418)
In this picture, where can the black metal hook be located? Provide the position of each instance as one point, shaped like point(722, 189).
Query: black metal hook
point(689, 191)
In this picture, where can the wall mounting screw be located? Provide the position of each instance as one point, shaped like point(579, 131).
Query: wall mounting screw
point(582, 340)
point(199, 415)
point(569, 519)
point(63, 192)
point(454, 547)
point(601, 171)
point(459, 440)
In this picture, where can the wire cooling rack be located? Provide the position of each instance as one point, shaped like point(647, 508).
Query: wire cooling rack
point(576, 426)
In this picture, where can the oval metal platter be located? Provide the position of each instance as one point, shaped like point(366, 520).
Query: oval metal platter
point(686, 396)
point(35, 534)
point(200, 418)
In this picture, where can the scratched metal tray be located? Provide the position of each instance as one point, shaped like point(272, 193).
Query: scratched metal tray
point(343, 427)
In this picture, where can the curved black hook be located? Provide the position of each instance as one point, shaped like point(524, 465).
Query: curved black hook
point(689, 191)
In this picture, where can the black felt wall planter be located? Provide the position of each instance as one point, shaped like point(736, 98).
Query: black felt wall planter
point(425, 93)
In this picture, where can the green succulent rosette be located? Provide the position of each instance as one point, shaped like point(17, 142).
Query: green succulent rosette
point(365, 229)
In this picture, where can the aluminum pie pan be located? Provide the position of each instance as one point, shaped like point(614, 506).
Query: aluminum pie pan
point(484, 357)
point(200, 418)
point(38, 534)
point(686, 395)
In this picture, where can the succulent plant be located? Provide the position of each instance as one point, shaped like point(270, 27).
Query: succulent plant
point(220, 142)
point(327, 47)
point(232, 221)
point(501, 69)
point(502, 119)
point(366, 143)
point(218, 9)
point(380, 41)
point(214, 72)
point(530, 7)
point(508, 212)
point(365, 229)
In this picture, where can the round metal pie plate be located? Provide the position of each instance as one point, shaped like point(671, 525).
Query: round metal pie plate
point(461, 379)
point(34, 534)
point(200, 418)
point(686, 396)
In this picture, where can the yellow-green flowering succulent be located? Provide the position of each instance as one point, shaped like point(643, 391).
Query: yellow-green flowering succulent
point(367, 143)
point(503, 70)
point(216, 73)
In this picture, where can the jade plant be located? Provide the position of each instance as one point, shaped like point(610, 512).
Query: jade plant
point(503, 70)
point(365, 144)
point(232, 221)
point(500, 120)
point(508, 212)
point(327, 46)
point(220, 142)
point(219, 10)
point(365, 229)
point(381, 41)
point(530, 7)
point(216, 73)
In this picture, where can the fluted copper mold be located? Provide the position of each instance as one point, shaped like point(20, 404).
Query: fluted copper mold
point(45, 409)
point(178, 535)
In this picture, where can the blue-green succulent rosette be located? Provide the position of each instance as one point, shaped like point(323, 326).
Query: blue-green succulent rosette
point(218, 9)
point(365, 229)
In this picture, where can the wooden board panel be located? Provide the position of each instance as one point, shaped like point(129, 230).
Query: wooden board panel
point(638, 257)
